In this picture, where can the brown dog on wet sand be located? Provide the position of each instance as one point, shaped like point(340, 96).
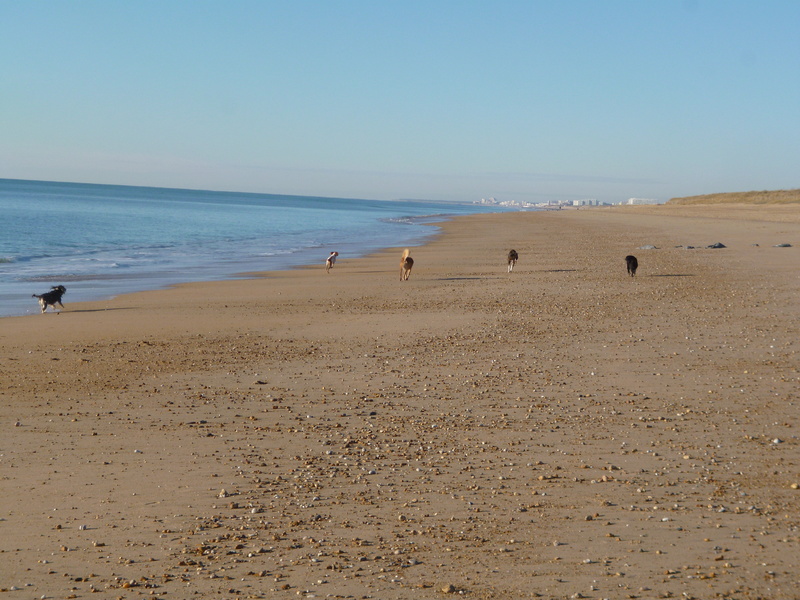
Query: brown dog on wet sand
point(406, 262)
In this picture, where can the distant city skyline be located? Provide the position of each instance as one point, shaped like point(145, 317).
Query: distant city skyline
point(524, 101)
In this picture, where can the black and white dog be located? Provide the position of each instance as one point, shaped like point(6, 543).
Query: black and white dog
point(52, 297)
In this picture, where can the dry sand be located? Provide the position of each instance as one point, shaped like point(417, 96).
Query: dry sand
point(564, 431)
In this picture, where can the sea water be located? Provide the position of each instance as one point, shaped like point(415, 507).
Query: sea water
point(103, 240)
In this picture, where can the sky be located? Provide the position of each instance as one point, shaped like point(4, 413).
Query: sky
point(528, 100)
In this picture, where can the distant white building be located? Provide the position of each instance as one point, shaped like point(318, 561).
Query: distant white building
point(586, 202)
point(643, 201)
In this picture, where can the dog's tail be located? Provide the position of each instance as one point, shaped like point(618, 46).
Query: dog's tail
point(406, 252)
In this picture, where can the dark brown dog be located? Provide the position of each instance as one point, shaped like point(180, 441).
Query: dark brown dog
point(513, 257)
point(52, 297)
point(632, 264)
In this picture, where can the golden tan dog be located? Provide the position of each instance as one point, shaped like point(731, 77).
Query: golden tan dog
point(406, 262)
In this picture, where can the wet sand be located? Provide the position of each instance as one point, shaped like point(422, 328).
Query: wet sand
point(563, 431)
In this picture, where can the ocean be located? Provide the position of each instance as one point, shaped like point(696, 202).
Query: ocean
point(100, 241)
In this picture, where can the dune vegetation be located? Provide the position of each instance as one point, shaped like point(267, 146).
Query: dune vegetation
point(755, 197)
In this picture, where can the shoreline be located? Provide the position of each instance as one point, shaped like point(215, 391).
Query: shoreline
point(754, 212)
point(147, 239)
point(564, 429)
point(104, 287)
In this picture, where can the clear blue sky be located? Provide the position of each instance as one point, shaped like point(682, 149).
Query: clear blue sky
point(452, 100)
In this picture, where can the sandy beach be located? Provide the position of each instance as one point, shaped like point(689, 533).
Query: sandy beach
point(562, 431)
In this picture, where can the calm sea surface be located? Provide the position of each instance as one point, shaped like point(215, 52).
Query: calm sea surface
point(103, 240)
